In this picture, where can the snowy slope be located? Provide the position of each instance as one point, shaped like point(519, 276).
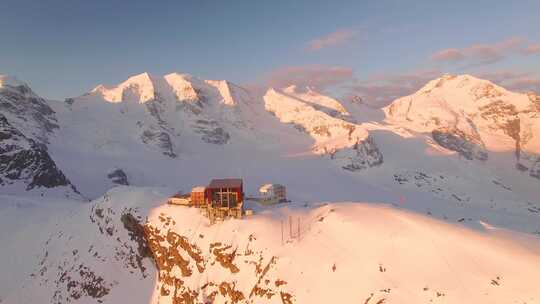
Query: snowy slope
point(128, 246)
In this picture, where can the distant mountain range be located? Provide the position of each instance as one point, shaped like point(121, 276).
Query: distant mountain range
point(178, 130)
point(83, 185)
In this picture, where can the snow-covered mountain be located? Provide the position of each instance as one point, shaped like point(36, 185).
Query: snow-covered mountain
point(163, 107)
point(455, 135)
point(475, 118)
point(461, 150)
point(326, 120)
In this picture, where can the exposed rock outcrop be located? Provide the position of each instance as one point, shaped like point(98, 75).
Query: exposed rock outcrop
point(535, 170)
point(178, 259)
point(26, 161)
point(157, 137)
point(118, 176)
point(364, 154)
point(457, 140)
point(26, 111)
point(211, 132)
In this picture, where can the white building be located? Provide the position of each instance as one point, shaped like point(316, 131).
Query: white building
point(272, 193)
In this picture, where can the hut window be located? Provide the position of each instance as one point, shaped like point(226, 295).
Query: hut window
point(233, 199)
point(224, 199)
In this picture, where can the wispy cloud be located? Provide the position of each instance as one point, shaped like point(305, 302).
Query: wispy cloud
point(448, 55)
point(514, 81)
point(526, 84)
point(337, 38)
point(319, 76)
point(481, 53)
point(532, 49)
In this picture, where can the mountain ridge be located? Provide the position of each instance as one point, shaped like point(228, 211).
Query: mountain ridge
point(190, 130)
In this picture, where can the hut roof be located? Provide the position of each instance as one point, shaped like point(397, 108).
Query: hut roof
point(225, 183)
point(198, 189)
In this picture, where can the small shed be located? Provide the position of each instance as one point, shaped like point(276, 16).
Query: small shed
point(272, 193)
point(225, 198)
point(198, 197)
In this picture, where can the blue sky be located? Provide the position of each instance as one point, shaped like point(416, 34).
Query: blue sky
point(65, 48)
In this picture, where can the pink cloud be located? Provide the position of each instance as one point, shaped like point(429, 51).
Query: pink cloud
point(481, 53)
point(501, 77)
point(514, 81)
point(532, 49)
point(526, 84)
point(319, 76)
point(448, 55)
point(337, 38)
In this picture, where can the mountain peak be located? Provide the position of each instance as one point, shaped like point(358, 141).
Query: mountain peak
point(459, 93)
point(176, 75)
point(182, 86)
point(224, 88)
point(461, 83)
point(138, 88)
point(144, 77)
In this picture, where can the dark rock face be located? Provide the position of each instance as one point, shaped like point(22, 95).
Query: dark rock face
point(118, 176)
point(365, 154)
point(27, 112)
point(23, 159)
point(457, 140)
point(160, 139)
point(535, 170)
point(158, 134)
point(211, 132)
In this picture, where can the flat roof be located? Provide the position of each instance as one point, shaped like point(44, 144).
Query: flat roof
point(198, 189)
point(225, 183)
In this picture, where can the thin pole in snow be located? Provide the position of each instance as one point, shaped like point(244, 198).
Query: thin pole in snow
point(281, 231)
point(298, 228)
point(290, 227)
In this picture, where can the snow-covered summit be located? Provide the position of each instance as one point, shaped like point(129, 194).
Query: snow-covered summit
point(138, 88)
point(172, 87)
point(183, 86)
point(460, 90)
point(475, 118)
point(475, 106)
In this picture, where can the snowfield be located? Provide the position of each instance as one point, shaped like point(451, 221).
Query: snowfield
point(336, 252)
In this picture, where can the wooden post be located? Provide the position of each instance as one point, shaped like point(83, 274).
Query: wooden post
point(290, 227)
point(282, 232)
point(298, 228)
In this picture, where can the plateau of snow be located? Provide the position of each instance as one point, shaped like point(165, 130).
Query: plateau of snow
point(349, 251)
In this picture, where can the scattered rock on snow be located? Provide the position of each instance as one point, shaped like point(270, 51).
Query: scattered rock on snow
point(118, 176)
